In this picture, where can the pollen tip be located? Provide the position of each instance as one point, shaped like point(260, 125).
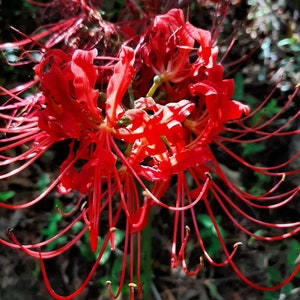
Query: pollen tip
point(201, 261)
point(132, 285)
point(83, 206)
point(158, 79)
point(108, 282)
point(237, 244)
point(283, 177)
point(187, 229)
point(207, 174)
point(298, 85)
point(9, 230)
point(145, 194)
point(112, 229)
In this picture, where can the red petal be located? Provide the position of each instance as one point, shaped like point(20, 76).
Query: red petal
point(118, 84)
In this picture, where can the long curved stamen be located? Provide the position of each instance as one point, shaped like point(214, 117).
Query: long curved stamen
point(237, 271)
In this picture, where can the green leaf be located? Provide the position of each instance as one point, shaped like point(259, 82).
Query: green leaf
point(119, 236)
point(86, 252)
point(262, 178)
point(271, 295)
point(293, 252)
point(272, 108)
point(286, 42)
point(287, 289)
point(52, 230)
point(206, 221)
point(213, 290)
point(239, 87)
point(252, 239)
point(117, 267)
point(209, 233)
point(273, 275)
point(43, 182)
point(89, 255)
point(106, 255)
point(214, 247)
point(4, 196)
point(77, 227)
point(253, 148)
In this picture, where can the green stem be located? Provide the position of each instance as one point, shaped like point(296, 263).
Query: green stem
point(147, 259)
point(157, 81)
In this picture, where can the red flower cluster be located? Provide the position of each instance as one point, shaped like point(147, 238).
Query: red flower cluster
point(138, 123)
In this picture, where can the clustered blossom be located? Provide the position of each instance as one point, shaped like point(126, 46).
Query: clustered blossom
point(138, 122)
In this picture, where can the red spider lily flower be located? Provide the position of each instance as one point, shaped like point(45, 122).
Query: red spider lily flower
point(198, 171)
point(149, 134)
point(218, 94)
point(191, 157)
point(68, 81)
point(188, 50)
point(127, 150)
point(81, 26)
